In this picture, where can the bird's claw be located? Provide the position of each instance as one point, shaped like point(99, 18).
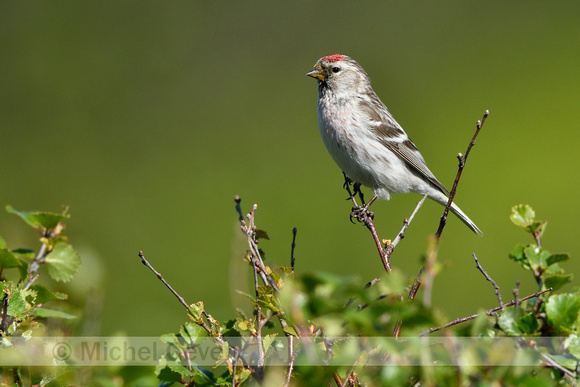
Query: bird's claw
point(360, 213)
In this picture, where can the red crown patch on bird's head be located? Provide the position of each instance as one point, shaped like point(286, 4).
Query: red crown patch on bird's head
point(334, 58)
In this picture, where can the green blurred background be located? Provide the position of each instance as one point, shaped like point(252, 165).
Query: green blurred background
point(148, 117)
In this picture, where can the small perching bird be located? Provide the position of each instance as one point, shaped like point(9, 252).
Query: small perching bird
point(364, 139)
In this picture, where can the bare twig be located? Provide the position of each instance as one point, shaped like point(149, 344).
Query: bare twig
point(236, 355)
point(160, 277)
point(489, 311)
point(201, 323)
point(259, 268)
point(239, 208)
point(372, 282)
point(391, 246)
point(429, 271)
point(416, 284)
point(368, 222)
point(516, 292)
point(443, 221)
point(293, 246)
point(291, 359)
point(250, 230)
point(258, 322)
point(552, 363)
point(4, 323)
point(462, 160)
point(487, 277)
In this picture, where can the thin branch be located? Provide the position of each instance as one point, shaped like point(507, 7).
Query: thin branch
point(291, 359)
point(443, 221)
point(416, 285)
point(293, 246)
point(489, 312)
point(516, 292)
point(38, 260)
point(430, 260)
point(372, 282)
point(552, 363)
point(250, 231)
point(236, 355)
point(160, 277)
point(239, 208)
point(462, 160)
point(4, 323)
point(364, 216)
point(487, 277)
point(391, 246)
point(258, 321)
point(181, 300)
point(368, 221)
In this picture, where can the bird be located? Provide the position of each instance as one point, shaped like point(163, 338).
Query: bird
point(364, 139)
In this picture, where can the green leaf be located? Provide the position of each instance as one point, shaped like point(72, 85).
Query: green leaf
point(195, 311)
point(537, 256)
point(558, 257)
point(522, 215)
point(245, 326)
point(40, 220)
point(565, 362)
point(166, 374)
point(518, 255)
point(516, 322)
point(43, 294)
point(268, 340)
point(192, 332)
point(26, 253)
point(224, 354)
point(17, 304)
point(261, 234)
point(51, 313)
point(557, 281)
point(528, 324)
point(2, 243)
point(537, 227)
point(63, 261)
point(572, 343)
point(8, 259)
point(562, 311)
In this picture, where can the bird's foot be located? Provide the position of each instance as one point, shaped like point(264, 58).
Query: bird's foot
point(361, 213)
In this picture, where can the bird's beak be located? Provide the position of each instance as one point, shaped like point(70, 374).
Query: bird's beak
point(317, 73)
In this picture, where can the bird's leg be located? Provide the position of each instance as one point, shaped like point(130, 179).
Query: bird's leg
point(357, 190)
point(358, 212)
point(346, 186)
point(351, 195)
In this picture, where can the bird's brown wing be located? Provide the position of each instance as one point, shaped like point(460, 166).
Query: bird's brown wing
point(409, 152)
point(392, 136)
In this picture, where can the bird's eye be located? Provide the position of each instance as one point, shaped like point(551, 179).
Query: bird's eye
point(335, 69)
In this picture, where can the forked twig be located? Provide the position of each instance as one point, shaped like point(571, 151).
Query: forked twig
point(487, 277)
point(462, 160)
point(368, 222)
point(443, 221)
point(391, 246)
point(489, 312)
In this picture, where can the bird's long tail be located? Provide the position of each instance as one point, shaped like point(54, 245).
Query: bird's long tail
point(440, 198)
point(465, 219)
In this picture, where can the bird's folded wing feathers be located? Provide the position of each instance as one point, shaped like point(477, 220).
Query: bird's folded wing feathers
point(397, 141)
point(392, 136)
